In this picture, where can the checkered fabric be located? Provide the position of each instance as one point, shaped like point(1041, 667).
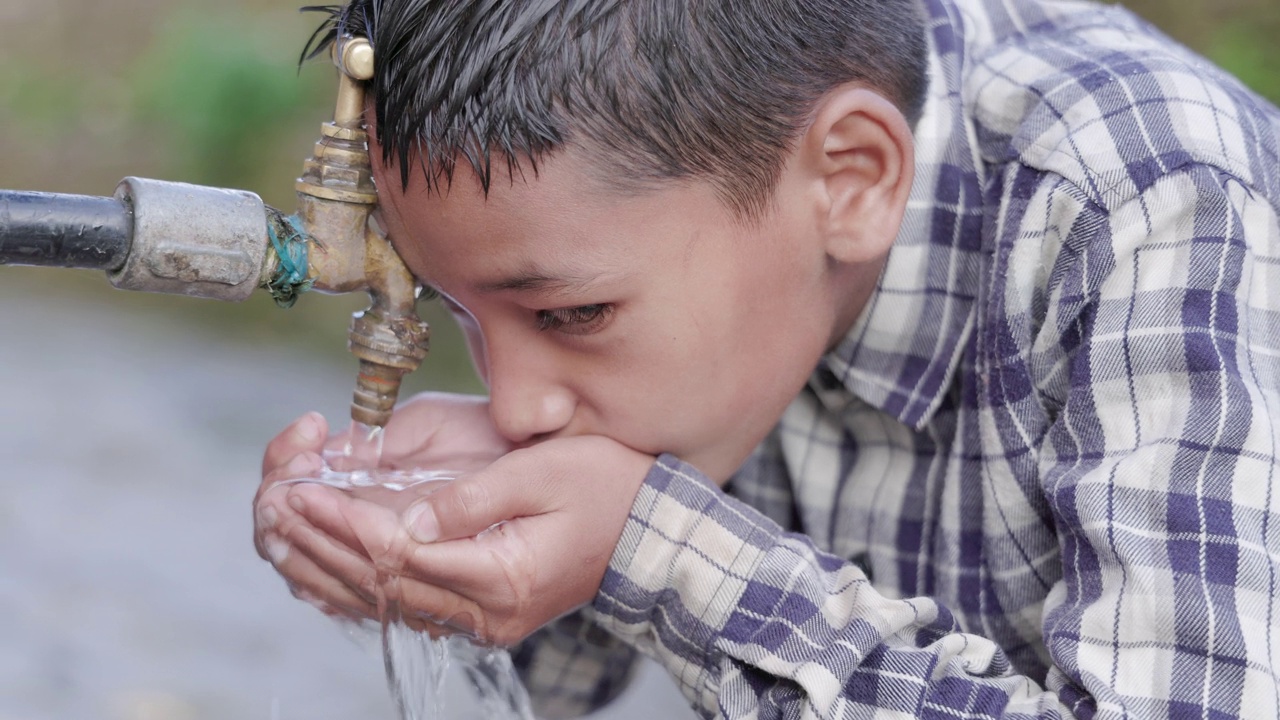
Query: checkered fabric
point(1035, 479)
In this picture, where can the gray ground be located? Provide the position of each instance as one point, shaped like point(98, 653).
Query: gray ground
point(129, 589)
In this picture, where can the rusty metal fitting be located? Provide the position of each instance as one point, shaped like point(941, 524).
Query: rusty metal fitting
point(389, 337)
point(336, 193)
point(388, 348)
point(193, 240)
point(395, 341)
point(339, 168)
point(335, 196)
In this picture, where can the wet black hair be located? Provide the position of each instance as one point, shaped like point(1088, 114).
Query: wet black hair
point(654, 90)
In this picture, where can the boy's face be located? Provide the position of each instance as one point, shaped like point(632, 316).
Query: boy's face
point(658, 319)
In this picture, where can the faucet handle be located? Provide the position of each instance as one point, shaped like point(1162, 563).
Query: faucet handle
point(354, 58)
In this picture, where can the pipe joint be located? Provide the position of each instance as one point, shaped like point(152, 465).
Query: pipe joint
point(192, 240)
point(395, 341)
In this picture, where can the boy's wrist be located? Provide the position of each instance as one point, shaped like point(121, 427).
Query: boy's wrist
point(683, 534)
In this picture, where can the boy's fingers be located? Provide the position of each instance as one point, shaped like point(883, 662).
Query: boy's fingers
point(271, 514)
point(306, 464)
point(467, 507)
point(324, 507)
point(318, 568)
point(369, 528)
point(449, 612)
point(471, 569)
point(269, 507)
point(335, 560)
point(306, 433)
point(309, 582)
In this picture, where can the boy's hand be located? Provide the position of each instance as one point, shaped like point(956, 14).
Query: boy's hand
point(494, 555)
point(432, 430)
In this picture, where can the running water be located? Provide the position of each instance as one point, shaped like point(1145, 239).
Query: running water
point(416, 665)
point(362, 450)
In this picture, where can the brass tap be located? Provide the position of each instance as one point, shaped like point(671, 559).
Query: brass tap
point(209, 242)
point(347, 251)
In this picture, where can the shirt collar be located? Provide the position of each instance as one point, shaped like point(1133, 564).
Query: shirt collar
point(902, 352)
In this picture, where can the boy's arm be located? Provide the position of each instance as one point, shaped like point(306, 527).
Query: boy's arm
point(572, 666)
point(1169, 543)
point(752, 621)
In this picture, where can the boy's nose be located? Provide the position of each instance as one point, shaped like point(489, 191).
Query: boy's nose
point(526, 405)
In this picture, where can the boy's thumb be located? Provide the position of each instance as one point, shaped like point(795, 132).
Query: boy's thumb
point(305, 434)
point(422, 523)
point(460, 509)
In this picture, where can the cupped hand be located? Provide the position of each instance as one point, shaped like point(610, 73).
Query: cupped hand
point(493, 555)
point(432, 430)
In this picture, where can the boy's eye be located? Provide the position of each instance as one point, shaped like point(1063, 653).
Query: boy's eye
point(581, 320)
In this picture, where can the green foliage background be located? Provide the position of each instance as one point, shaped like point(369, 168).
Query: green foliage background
point(210, 93)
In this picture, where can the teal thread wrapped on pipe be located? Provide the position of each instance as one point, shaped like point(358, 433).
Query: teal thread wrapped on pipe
point(289, 241)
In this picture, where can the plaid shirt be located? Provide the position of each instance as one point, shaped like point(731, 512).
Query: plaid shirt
point(1036, 477)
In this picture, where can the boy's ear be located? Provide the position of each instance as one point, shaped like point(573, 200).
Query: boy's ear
point(863, 157)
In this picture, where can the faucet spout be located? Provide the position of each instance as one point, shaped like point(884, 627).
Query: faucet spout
point(389, 338)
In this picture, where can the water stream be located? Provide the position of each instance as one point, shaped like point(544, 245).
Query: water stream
point(416, 665)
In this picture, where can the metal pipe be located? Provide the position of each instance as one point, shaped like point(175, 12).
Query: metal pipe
point(193, 240)
point(59, 230)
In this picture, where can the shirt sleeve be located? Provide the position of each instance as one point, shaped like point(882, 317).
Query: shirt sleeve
point(755, 622)
point(1160, 468)
point(1157, 469)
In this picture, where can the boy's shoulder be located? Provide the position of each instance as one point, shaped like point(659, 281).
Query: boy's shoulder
point(1101, 98)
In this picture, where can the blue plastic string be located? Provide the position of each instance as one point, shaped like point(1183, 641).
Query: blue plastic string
point(290, 279)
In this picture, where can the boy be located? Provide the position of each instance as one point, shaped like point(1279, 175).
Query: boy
point(844, 357)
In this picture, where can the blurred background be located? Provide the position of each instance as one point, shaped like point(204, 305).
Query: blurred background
point(131, 425)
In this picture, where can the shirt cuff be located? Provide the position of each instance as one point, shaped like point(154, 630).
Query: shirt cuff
point(685, 559)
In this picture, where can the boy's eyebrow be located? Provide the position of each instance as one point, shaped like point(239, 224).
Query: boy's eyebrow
point(528, 280)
